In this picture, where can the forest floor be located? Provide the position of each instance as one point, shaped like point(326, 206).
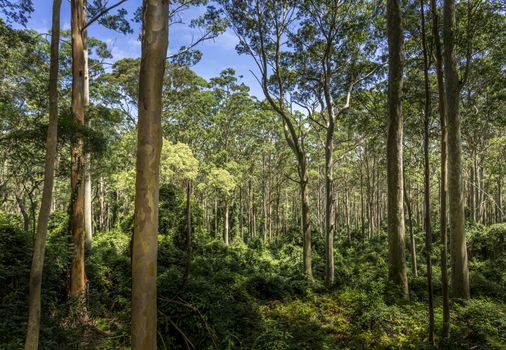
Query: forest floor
point(251, 296)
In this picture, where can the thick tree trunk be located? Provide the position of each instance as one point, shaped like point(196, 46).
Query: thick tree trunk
point(460, 271)
point(397, 261)
point(39, 247)
point(77, 273)
point(428, 224)
point(144, 256)
point(444, 164)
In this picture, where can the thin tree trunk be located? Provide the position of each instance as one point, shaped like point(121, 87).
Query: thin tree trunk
point(460, 271)
point(412, 247)
point(39, 247)
point(226, 222)
point(329, 201)
point(397, 262)
point(428, 224)
point(144, 257)
point(77, 273)
point(188, 231)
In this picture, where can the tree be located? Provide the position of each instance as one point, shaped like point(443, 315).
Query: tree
point(460, 270)
point(426, 165)
point(396, 244)
point(149, 144)
point(261, 27)
point(32, 334)
point(77, 272)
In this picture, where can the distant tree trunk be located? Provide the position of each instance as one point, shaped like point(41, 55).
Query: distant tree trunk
point(444, 164)
point(428, 224)
point(306, 231)
point(460, 271)
point(188, 231)
point(39, 247)
point(24, 213)
point(397, 262)
point(101, 204)
point(77, 273)
point(412, 246)
point(226, 222)
point(144, 256)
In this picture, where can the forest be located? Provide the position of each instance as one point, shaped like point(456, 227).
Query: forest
point(335, 179)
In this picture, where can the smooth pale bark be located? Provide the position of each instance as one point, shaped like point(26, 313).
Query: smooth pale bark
point(460, 270)
point(77, 272)
point(444, 163)
point(39, 247)
point(396, 244)
point(88, 226)
point(427, 220)
point(329, 200)
point(149, 144)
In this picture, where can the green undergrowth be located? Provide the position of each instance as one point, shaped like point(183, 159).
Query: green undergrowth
point(249, 296)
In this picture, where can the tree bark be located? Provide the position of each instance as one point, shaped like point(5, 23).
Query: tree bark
point(412, 247)
point(428, 224)
point(77, 272)
point(444, 164)
point(144, 257)
point(39, 248)
point(397, 262)
point(460, 271)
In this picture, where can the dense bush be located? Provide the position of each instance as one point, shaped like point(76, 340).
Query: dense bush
point(246, 296)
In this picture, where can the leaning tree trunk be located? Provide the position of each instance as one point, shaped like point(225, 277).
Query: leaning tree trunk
point(428, 224)
point(397, 261)
point(149, 144)
point(459, 271)
point(444, 164)
point(77, 273)
point(39, 247)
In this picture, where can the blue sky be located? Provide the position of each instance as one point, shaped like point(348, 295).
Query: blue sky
point(218, 54)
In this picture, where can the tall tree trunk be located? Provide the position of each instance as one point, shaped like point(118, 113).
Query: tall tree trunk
point(39, 247)
point(444, 165)
point(188, 231)
point(460, 271)
point(77, 273)
point(397, 261)
point(428, 224)
point(149, 144)
point(329, 202)
point(88, 221)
